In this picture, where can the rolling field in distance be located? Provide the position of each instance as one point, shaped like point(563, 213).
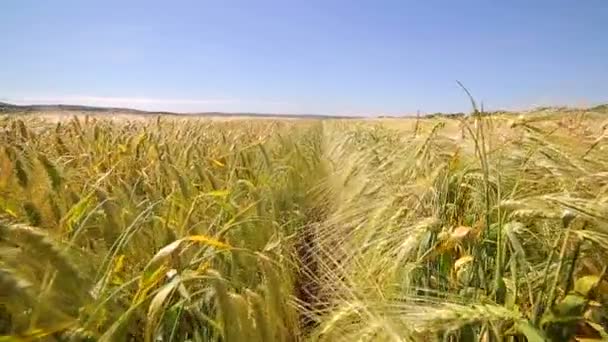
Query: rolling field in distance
point(168, 228)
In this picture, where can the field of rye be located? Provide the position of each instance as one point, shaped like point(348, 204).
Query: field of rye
point(491, 228)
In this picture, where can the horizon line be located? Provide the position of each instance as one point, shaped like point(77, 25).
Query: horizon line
point(130, 103)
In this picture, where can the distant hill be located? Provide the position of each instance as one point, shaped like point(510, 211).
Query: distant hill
point(27, 109)
point(70, 108)
point(7, 105)
point(601, 108)
point(78, 109)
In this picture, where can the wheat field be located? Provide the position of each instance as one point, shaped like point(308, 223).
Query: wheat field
point(482, 228)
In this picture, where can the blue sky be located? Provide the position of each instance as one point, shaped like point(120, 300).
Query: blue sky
point(314, 56)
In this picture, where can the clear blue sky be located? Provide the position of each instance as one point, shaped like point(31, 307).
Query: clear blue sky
point(313, 56)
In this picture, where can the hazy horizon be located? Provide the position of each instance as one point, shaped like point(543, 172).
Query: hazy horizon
point(137, 105)
point(317, 57)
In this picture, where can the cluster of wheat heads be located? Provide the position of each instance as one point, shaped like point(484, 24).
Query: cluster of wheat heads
point(172, 229)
